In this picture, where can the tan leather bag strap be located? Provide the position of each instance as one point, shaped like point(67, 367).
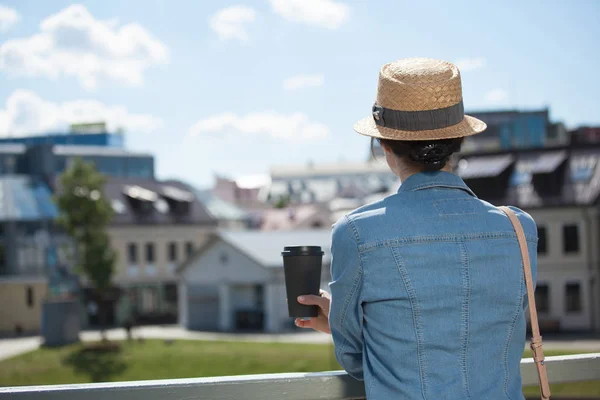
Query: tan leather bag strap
point(536, 339)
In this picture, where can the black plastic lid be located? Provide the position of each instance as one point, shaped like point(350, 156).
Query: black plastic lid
point(302, 251)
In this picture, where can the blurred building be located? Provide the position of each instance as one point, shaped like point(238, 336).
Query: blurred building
point(585, 134)
point(46, 161)
point(293, 217)
point(510, 129)
point(310, 184)
point(34, 254)
point(560, 188)
point(241, 192)
point(235, 281)
point(157, 225)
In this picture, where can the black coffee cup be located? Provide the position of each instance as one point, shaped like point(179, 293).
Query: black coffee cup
point(302, 269)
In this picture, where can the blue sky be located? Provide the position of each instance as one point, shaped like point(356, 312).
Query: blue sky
point(202, 85)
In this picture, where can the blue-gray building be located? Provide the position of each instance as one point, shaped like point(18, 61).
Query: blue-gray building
point(512, 129)
point(47, 161)
point(35, 255)
point(69, 139)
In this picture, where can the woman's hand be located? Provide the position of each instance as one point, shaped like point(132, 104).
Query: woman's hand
point(321, 322)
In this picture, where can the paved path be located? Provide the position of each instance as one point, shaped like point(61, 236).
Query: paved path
point(176, 332)
point(12, 347)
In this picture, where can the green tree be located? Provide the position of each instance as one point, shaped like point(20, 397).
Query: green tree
point(85, 214)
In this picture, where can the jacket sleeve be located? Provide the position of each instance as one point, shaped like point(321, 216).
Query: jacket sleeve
point(346, 313)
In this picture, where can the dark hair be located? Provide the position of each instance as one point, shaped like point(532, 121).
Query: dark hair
point(431, 155)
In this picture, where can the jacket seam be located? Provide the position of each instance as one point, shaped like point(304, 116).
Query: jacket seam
point(357, 278)
point(511, 332)
point(434, 184)
point(465, 316)
point(441, 238)
point(416, 320)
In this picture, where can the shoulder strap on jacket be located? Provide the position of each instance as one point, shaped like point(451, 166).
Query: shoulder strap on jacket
point(536, 339)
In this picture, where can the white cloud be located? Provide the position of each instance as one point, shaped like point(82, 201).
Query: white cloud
point(325, 13)
point(303, 81)
point(292, 127)
point(25, 113)
point(496, 96)
point(470, 64)
point(230, 22)
point(74, 43)
point(8, 18)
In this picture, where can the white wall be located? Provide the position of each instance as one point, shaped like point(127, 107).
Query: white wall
point(234, 280)
point(182, 299)
point(557, 269)
point(225, 309)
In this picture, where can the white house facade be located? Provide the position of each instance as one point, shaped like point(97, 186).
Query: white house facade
point(235, 282)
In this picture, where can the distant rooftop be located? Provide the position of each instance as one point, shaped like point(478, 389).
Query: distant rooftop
point(151, 202)
point(104, 139)
point(266, 247)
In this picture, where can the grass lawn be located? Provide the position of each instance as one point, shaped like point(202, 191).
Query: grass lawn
point(155, 359)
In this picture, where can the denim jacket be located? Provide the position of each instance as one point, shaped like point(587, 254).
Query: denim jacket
point(428, 294)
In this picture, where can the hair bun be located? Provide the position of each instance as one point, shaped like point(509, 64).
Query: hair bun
point(432, 154)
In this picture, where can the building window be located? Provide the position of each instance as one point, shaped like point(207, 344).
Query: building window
point(149, 252)
point(542, 240)
point(172, 250)
point(189, 248)
point(570, 238)
point(573, 297)
point(132, 254)
point(224, 258)
point(29, 297)
point(542, 298)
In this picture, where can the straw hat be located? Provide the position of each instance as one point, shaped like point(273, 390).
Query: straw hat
point(419, 99)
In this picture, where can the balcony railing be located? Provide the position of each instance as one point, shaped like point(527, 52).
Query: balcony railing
point(298, 386)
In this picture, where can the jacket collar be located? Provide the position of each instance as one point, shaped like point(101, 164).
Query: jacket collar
point(427, 180)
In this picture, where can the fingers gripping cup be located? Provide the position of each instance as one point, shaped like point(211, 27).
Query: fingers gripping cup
point(302, 269)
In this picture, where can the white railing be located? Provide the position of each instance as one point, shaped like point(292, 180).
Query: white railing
point(298, 386)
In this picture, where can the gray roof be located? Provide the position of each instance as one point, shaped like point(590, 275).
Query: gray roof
point(218, 208)
point(481, 167)
point(125, 214)
point(536, 178)
point(266, 247)
point(24, 199)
